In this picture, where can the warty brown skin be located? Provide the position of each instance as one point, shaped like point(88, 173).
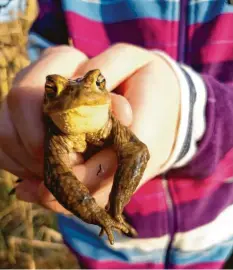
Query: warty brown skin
point(77, 115)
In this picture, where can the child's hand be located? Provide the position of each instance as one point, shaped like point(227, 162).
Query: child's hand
point(22, 130)
point(145, 79)
point(152, 89)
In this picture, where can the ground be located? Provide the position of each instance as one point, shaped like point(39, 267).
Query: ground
point(28, 234)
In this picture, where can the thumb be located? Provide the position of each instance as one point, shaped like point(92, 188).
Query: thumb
point(122, 109)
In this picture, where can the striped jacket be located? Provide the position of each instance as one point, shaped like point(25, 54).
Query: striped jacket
point(184, 216)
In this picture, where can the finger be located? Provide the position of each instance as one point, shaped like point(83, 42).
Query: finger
point(12, 145)
point(122, 109)
point(25, 98)
point(11, 166)
point(99, 184)
point(34, 191)
point(62, 60)
point(47, 200)
point(160, 110)
point(90, 174)
point(117, 63)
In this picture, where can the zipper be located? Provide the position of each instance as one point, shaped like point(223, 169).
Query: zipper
point(182, 36)
point(181, 55)
point(171, 220)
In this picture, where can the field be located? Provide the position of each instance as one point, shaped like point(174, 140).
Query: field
point(28, 234)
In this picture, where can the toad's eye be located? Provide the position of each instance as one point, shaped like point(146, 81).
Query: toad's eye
point(100, 82)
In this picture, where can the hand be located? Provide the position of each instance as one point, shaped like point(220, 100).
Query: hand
point(22, 130)
point(139, 76)
point(150, 85)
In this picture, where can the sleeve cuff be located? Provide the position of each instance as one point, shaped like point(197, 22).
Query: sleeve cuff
point(192, 122)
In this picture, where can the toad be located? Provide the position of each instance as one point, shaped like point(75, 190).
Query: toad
point(78, 115)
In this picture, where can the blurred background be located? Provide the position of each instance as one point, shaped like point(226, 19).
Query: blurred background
point(29, 237)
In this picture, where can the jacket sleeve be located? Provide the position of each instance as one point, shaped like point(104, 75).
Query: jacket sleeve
point(205, 132)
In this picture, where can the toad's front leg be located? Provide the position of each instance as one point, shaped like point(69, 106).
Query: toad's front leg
point(133, 156)
point(68, 190)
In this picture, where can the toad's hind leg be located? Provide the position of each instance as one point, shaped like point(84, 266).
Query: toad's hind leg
point(69, 191)
point(133, 156)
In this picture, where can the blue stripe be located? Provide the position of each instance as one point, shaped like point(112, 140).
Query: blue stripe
point(122, 10)
point(204, 12)
point(83, 239)
point(217, 253)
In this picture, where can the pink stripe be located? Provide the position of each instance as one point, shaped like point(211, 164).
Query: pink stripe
point(212, 53)
point(152, 195)
point(206, 46)
point(87, 262)
point(93, 37)
point(212, 41)
point(190, 189)
point(209, 265)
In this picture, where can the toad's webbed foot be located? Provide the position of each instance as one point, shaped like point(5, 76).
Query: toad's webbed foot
point(107, 224)
point(119, 218)
point(131, 231)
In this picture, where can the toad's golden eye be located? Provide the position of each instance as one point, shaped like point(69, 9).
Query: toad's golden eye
point(100, 82)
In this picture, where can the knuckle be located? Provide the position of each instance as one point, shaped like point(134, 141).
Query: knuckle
point(122, 45)
point(131, 51)
point(60, 49)
point(55, 49)
point(126, 47)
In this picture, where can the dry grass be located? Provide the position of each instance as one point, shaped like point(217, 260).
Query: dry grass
point(28, 234)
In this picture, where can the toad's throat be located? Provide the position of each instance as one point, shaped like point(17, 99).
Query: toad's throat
point(82, 119)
